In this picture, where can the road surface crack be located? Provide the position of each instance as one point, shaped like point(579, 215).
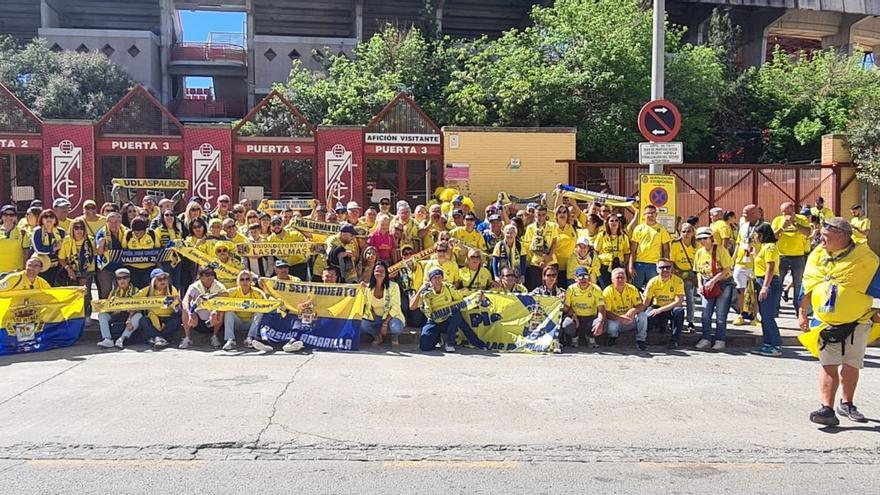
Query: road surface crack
point(56, 375)
point(271, 420)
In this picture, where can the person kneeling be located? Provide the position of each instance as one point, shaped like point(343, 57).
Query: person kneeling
point(161, 324)
point(442, 308)
point(233, 321)
point(200, 319)
point(664, 298)
point(384, 299)
point(128, 319)
point(585, 309)
point(624, 309)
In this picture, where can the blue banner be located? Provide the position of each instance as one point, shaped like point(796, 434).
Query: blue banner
point(327, 333)
point(39, 320)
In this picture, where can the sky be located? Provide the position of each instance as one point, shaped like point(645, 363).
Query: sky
point(196, 27)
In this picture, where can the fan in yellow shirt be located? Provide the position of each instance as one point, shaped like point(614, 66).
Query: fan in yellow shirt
point(650, 242)
point(474, 276)
point(624, 310)
point(240, 321)
point(860, 225)
point(721, 230)
point(584, 309)
point(539, 241)
point(664, 296)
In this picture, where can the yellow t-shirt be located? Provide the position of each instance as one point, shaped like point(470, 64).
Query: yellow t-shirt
point(12, 246)
point(650, 242)
point(410, 232)
point(682, 256)
point(255, 293)
point(850, 275)
point(450, 270)
point(70, 250)
point(19, 281)
point(131, 241)
point(65, 224)
point(768, 252)
point(534, 244)
point(823, 214)
point(565, 243)
point(863, 223)
point(745, 247)
point(584, 302)
point(433, 301)
point(703, 261)
point(92, 227)
point(473, 239)
point(790, 242)
point(659, 292)
point(619, 303)
point(288, 237)
point(610, 247)
point(721, 230)
point(483, 278)
point(591, 263)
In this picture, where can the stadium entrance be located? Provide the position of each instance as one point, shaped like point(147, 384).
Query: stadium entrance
point(20, 149)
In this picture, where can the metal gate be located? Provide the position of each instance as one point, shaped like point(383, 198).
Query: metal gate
point(728, 186)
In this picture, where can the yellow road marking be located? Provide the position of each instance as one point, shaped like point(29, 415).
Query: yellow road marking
point(453, 464)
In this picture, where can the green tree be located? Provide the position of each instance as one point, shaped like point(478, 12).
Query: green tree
point(863, 137)
point(65, 85)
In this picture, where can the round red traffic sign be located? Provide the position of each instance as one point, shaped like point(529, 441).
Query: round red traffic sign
point(658, 196)
point(659, 121)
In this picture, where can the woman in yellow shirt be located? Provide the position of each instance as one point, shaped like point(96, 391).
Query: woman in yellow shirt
point(769, 288)
point(713, 265)
point(613, 246)
point(565, 241)
point(386, 310)
point(474, 276)
point(682, 251)
point(77, 258)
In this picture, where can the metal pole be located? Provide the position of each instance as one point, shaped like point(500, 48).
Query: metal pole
point(658, 61)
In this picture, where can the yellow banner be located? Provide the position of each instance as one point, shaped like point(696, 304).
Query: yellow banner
point(287, 204)
point(132, 304)
point(225, 272)
point(279, 249)
point(37, 320)
point(592, 196)
point(658, 190)
point(151, 183)
point(513, 322)
point(346, 301)
point(315, 227)
point(412, 260)
point(239, 305)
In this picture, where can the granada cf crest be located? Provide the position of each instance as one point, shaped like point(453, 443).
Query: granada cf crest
point(339, 174)
point(67, 178)
point(206, 173)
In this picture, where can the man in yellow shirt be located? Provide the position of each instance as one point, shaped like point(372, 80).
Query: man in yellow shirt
point(721, 230)
point(469, 237)
point(539, 241)
point(26, 279)
point(860, 223)
point(442, 309)
point(14, 242)
point(836, 281)
point(649, 242)
point(791, 231)
point(94, 221)
point(744, 265)
point(298, 265)
point(664, 298)
point(820, 210)
point(584, 309)
point(624, 310)
point(62, 209)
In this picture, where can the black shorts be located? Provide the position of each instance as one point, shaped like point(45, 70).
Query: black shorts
point(202, 326)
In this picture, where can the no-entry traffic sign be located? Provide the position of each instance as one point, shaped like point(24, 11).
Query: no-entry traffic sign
point(659, 121)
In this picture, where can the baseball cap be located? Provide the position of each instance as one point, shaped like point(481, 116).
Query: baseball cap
point(495, 218)
point(281, 263)
point(348, 229)
point(703, 232)
point(457, 211)
point(61, 203)
point(352, 205)
point(158, 272)
point(583, 240)
point(340, 208)
point(36, 203)
point(855, 207)
point(89, 202)
point(531, 206)
point(223, 197)
point(435, 271)
point(840, 224)
point(277, 219)
point(579, 271)
point(122, 272)
point(7, 208)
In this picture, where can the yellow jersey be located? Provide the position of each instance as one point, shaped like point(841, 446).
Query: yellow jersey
point(472, 239)
point(584, 302)
point(767, 253)
point(289, 236)
point(720, 231)
point(621, 302)
point(537, 241)
point(450, 270)
point(481, 279)
point(703, 261)
point(861, 223)
point(611, 247)
point(590, 262)
point(790, 242)
point(650, 240)
point(659, 292)
point(566, 238)
point(13, 243)
point(434, 301)
point(682, 256)
point(237, 293)
point(147, 241)
point(19, 281)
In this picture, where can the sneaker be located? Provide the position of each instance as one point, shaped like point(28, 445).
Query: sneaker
point(106, 344)
point(641, 345)
point(120, 342)
point(151, 340)
point(612, 341)
point(185, 343)
point(592, 343)
point(230, 345)
point(672, 346)
point(215, 341)
point(557, 348)
point(292, 346)
point(160, 342)
point(574, 342)
point(690, 327)
point(704, 344)
point(848, 410)
point(824, 416)
point(739, 320)
point(762, 350)
point(451, 348)
point(261, 346)
point(249, 343)
point(719, 345)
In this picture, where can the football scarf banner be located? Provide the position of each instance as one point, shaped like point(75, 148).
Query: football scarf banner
point(506, 199)
point(516, 322)
point(324, 228)
point(238, 305)
point(590, 196)
point(38, 320)
point(279, 249)
point(225, 271)
point(151, 183)
point(287, 204)
point(118, 304)
point(411, 261)
point(323, 316)
point(130, 256)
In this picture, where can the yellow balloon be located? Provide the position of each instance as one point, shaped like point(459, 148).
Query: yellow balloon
point(439, 191)
point(446, 207)
point(448, 195)
point(468, 202)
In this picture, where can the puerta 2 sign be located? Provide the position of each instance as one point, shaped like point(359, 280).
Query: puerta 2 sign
point(659, 121)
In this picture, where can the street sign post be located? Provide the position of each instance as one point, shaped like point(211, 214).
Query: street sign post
point(661, 153)
point(659, 121)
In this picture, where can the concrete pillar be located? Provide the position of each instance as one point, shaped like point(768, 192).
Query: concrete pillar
point(49, 14)
point(359, 20)
point(439, 15)
point(842, 41)
point(166, 38)
point(755, 33)
point(251, 55)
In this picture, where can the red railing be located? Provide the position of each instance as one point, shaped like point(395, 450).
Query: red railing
point(209, 52)
point(212, 109)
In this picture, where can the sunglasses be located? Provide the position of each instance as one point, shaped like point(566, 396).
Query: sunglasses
point(474, 257)
point(91, 207)
point(442, 251)
point(9, 214)
point(222, 251)
point(223, 201)
point(664, 267)
point(551, 274)
point(168, 214)
point(583, 276)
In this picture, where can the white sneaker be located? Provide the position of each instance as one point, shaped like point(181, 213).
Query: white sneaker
point(160, 342)
point(719, 345)
point(449, 348)
point(120, 342)
point(557, 349)
point(106, 343)
point(592, 343)
point(185, 343)
point(261, 346)
point(230, 345)
point(704, 344)
point(215, 341)
point(292, 346)
point(574, 342)
point(249, 343)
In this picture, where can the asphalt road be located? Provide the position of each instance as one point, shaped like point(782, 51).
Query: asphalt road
point(137, 421)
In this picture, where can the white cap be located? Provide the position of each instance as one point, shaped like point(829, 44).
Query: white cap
point(352, 205)
point(716, 211)
point(583, 240)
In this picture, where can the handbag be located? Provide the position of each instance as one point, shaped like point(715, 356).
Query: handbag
point(715, 291)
